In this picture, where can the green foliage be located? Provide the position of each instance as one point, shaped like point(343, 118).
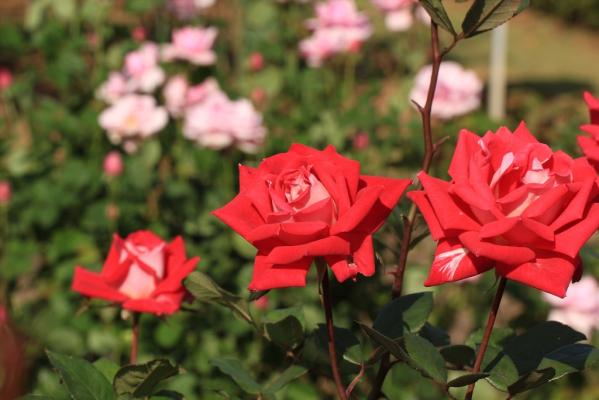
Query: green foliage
point(141, 380)
point(485, 15)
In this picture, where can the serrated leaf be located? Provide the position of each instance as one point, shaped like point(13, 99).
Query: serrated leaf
point(237, 372)
point(81, 379)
point(485, 15)
point(290, 374)
point(467, 379)
point(405, 313)
point(286, 333)
point(437, 12)
point(426, 356)
point(459, 355)
point(141, 380)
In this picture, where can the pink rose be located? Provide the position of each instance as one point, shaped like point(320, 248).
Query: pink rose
point(139, 34)
point(217, 123)
point(142, 272)
point(360, 141)
point(338, 28)
point(192, 44)
point(6, 79)
point(113, 164)
point(133, 118)
point(187, 9)
point(590, 144)
point(175, 92)
point(142, 69)
point(256, 61)
point(113, 89)
point(5, 192)
point(580, 307)
point(458, 90)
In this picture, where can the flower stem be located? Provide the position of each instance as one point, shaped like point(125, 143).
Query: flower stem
point(487, 334)
point(328, 312)
point(134, 337)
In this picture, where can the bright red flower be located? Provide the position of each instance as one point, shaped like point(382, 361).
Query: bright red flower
point(512, 204)
point(590, 145)
point(142, 272)
point(308, 203)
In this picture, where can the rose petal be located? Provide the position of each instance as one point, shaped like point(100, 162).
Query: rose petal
point(240, 215)
point(574, 211)
point(570, 241)
point(287, 233)
point(365, 201)
point(269, 276)
point(246, 177)
point(421, 200)
point(173, 282)
point(332, 245)
point(168, 304)
point(92, 284)
point(361, 260)
point(453, 262)
point(507, 254)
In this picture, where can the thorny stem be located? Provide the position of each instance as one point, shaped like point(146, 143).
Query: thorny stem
point(134, 337)
point(487, 334)
point(429, 150)
point(328, 312)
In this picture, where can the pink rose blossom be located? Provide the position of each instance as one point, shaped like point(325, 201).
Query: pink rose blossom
point(113, 164)
point(192, 44)
point(338, 28)
point(256, 61)
point(142, 69)
point(198, 93)
point(399, 14)
point(139, 34)
point(131, 119)
point(5, 192)
point(179, 95)
point(6, 79)
point(580, 307)
point(113, 89)
point(187, 9)
point(258, 96)
point(360, 141)
point(217, 122)
point(458, 90)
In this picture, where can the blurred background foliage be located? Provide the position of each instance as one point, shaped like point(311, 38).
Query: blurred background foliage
point(64, 211)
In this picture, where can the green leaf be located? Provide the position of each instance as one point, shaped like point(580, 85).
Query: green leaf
point(36, 397)
point(459, 355)
point(530, 381)
point(437, 12)
point(290, 374)
point(570, 358)
point(107, 367)
point(426, 356)
point(140, 380)
point(287, 332)
point(498, 337)
point(435, 335)
point(315, 349)
point(82, 380)
point(466, 379)
point(406, 313)
point(485, 15)
point(256, 294)
point(234, 368)
point(391, 345)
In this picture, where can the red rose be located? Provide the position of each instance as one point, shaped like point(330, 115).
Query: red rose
point(512, 204)
point(142, 272)
point(308, 203)
point(590, 145)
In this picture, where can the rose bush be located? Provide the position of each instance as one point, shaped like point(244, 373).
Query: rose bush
point(307, 203)
point(514, 205)
point(142, 272)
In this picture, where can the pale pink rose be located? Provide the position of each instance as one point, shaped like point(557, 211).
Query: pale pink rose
point(458, 92)
point(113, 164)
point(133, 118)
point(360, 141)
point(198, 93)
point(399, 21)
point(5, 192)
point(338, 28)
point(6, 78)
point(422, 16)
point(113, 89)
point(175, 93)
point(192, 44)
point(187, 9)
point(256, 61)
point(580, 307)
point(218, 123)
point(142, 68)
point(399, 14)
point(139, 34)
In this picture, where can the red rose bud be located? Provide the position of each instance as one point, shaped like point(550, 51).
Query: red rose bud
point(142, 272)
point(307, 203)
point(514, 205)
point(590, 144)
point(113, 164)
point(360, 141)
point(256, 61)
point(5, 192)
point(139, 34)
point(6, 79)
point(258, 96)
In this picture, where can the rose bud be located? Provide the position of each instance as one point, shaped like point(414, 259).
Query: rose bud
point(256, 61)
point(514, 205)
point(142, 272)
point(113, 164)
point(360, 141)
point(6, 79)
point(139, 34)
point(258, 96)
point(5, 192)
point(304, 204)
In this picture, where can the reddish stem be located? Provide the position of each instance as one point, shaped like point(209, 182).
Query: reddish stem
point(328, 312)
point(487, 334)
point(134, 338)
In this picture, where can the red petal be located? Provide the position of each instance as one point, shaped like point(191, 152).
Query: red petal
point(572, 239)
point(164, 304)
point(466, 146)
point(268, 276)
point(507, 254)
point(240, 215)
point(574, 211)
point(365, 201)
point(362, 254)
point(453, 262)
point(113, 271)
point(421, 200)
point(91, 284)
point(289, 233)
point(173, 282)
point(246, 177)
point(332, 245)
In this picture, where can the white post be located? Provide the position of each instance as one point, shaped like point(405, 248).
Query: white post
point(498, 73)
